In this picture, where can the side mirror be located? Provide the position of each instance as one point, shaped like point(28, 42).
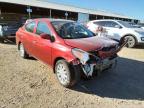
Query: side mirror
point(45, 36)
point(118, 26)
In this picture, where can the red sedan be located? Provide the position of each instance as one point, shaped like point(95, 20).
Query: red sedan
point(68, 47)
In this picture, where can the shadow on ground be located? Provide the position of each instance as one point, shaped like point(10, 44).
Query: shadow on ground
point(139, 47)
point(124, 82)
point(9, 41)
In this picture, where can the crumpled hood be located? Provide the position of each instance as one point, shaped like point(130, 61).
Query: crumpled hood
point(92, 43)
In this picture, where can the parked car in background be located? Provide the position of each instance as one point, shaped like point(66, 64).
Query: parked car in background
point(119, 30)
point(70, 48)
point(142, 26)
point(8, 30)
point(135, 25)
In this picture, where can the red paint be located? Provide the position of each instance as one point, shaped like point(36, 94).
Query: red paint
point(48, 52)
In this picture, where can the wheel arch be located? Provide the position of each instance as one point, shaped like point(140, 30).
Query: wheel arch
point(19, 45)
point(57, 59)
point(130, 35)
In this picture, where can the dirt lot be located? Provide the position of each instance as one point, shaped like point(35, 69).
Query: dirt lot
point(31, 84)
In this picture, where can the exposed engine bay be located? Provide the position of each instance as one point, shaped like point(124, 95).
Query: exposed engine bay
point(98, 65)
point(98, 60)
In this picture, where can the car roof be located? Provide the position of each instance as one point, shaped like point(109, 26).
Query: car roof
point(104, 20)
point(60, 20)
point(51, 19)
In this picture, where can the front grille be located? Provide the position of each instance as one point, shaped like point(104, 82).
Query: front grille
point(95, 53)
point(94, 56)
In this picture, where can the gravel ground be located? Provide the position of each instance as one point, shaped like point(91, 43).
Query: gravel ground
point(31, 84)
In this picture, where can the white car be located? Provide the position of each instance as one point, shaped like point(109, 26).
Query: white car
point(118, 30)
point(142, 27)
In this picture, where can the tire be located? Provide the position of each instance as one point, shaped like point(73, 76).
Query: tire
point(131, 41)
point(66, 74)
point(22, 51)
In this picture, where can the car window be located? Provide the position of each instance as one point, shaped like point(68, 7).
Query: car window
point(42, 28)
point(30, 27)
point(100, 23)
point(110, 24)
point(126, 24)
point(106, 23)
point(71, 30)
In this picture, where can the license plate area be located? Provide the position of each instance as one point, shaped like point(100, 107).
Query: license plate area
point(108, 62)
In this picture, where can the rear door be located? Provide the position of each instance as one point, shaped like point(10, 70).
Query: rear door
point(113, 29)
point(28, 36)
point(42, 47)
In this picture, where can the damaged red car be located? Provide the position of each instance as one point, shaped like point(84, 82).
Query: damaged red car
point(68, 47)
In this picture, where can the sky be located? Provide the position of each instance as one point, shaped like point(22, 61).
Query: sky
point(131, 8)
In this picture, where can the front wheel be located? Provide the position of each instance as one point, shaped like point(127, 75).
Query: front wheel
point(131, 41)
point(65, 73)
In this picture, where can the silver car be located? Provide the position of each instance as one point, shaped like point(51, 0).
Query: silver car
point(119, 30)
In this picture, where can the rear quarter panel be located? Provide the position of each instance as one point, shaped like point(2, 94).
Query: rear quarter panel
point(18, 35)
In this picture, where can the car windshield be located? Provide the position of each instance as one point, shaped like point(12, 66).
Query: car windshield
point(71, 30)
point(135, 25)
point(126, 24)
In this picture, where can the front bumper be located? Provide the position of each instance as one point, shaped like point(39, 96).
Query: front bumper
point(140, 38)
point(96, 66)
point(104, 60)
point(90, 69)
point(106, 64)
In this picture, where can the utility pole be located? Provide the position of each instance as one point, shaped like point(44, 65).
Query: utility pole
point(96, 17)
point(29, 13)
point(0, 12)
point(50, 14)
point(66, 15)
point(29, 10)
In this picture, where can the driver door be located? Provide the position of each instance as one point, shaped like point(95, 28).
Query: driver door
point(113, 29)
point(42, 47)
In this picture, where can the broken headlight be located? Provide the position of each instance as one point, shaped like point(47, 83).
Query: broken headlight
point(83, 56)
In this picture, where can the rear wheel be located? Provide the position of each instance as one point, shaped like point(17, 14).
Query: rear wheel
point(131, 41)
point(66, 74)
point(22, 51)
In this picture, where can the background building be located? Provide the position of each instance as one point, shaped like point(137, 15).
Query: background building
point(23, 9)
